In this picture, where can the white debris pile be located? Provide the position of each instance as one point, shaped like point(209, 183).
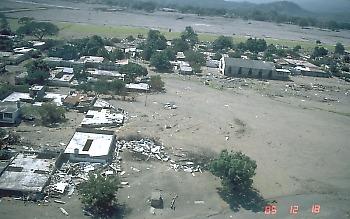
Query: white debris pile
point(170, 105)
point(151, 150)
point(68, 177)
point(145, 147)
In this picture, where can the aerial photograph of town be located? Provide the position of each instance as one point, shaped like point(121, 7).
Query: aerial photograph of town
point(175, 109)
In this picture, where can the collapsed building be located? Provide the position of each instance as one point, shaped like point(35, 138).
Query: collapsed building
point(301, 67)
point(28, 172)
point(102, 118)
point(79, 101)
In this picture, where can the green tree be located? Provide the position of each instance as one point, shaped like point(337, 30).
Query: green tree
point(235, 169)
point(190, 36)
point(130, 38)
point(4, 25)
point(195, 58)
point(235, 54)
point(222, 42)
point(155, 41)
point(180, 45)
point(50, 114)
point(156, 83)
point(132, 71)
point(160, 61)
point(38, 29)
point(66, 52)
point(256, 45)
point(339, 49)
point(99, 193)
point(297, 48)
point(319, 51)
point(117, 54)
point(38, 72)
point(25, 20)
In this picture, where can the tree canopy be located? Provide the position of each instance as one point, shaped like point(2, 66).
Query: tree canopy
point(161, 61)
point(180, 45)
point(38, 72)
point(156, 83)
point(222, 42)
point(339, 49)
point(254, 45)
point(50, 114)
point(190, 36)
point(99, 193)
point(319, 51)
point(133, 70)
point(38, 29)
point(235, 169)
point(155, 41)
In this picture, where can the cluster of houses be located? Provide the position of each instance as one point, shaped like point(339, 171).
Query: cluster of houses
point(94, 141)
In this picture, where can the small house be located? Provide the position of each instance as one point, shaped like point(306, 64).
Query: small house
point(9, 112)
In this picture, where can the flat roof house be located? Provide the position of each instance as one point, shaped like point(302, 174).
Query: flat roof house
point(91, 146)
point(9, 112)
point(27, 173)
point(235, 67)
point(102, 118)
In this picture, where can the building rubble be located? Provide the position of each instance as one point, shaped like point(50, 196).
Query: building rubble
point(151, 150)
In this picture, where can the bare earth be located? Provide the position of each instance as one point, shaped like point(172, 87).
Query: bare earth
point(300, 143)
point(87, 14)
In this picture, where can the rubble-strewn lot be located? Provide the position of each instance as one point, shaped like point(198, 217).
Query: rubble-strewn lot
point(299, 140)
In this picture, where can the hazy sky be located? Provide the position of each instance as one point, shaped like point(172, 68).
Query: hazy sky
point(316, 5)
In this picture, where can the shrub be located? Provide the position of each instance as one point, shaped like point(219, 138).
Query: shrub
point(99, 193)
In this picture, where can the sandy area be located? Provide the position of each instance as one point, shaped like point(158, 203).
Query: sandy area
point(300, 144)
point(216, 25)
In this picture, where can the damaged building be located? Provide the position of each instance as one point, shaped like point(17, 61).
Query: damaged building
point(28, 173)
point(102, 118)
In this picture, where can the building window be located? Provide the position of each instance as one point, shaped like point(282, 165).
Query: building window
point(240, 71)
point(8, 115)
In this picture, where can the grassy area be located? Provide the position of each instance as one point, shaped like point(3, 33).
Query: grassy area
point(79, 30)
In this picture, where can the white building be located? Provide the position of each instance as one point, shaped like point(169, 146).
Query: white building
point(142, 87)
point(102, 118)
point(9, 112)
point(91, 146)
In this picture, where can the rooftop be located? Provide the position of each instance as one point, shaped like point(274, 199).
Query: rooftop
point(103, 117)
point(91, 144)
point(7, 107)
point(91, 59)
point(246, 63)
point(140, 86)
point(27, 173)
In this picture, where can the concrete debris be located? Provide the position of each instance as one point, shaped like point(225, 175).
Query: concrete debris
point(150, 150)
point(145, 147)
point(170, 105)
point(172, 205)
point(64, 211)
point(59, 201)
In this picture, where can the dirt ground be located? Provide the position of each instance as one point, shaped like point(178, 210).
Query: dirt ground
point(87, 14)
point(299, 141)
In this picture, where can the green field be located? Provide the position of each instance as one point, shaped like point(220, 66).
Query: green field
point(79, 30)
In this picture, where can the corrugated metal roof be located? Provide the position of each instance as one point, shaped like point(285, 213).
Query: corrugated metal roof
point(246, 63)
